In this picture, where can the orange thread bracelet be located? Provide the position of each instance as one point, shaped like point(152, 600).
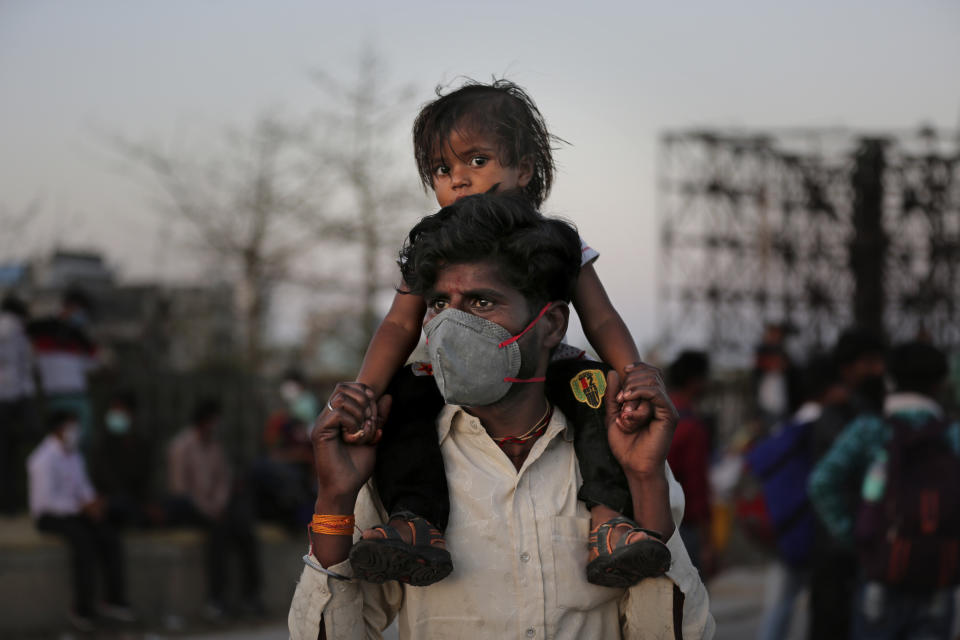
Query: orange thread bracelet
point(332, 525)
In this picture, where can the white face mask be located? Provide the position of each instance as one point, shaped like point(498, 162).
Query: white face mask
point(71, 436)
point(289, 391)
point(475, 361)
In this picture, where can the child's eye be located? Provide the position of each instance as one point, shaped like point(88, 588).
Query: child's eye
point(478, 161)
point(441, 170)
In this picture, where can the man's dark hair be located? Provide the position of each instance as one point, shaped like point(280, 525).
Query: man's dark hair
point(60, 417)
point(125, 398)
point(536, 255)
point(689, 365)
point(501, 110)
point(819, 374)
point(855, 343)
point(16, 306)
point(205, 411)
point(918, 366)
point(294, 375)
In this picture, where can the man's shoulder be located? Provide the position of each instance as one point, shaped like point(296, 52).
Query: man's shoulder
point(181, 440)
point(43, 453)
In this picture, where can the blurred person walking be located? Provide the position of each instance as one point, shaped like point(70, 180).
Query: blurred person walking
point(859, 356)
point(17, 391)
point(689, 455)
point(906, 464)
point(782, 463)
point(63, 502)
point(202, 491)
point(775, 377)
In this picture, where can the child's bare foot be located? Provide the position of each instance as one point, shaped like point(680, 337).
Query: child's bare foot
point(407, 549)
point(622, 553)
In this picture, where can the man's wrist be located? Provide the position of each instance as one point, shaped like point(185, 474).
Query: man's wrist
point(333, 505)
point(647, 473)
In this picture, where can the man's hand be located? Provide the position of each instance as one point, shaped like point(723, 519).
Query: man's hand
point(639, 448)
point(343, 467)
point(96, 509)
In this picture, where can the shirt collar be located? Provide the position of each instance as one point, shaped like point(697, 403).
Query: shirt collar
point(808, 412)
point(452, 414)
point(909, 401)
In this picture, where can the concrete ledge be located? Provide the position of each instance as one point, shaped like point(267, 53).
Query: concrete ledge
point(165, 575)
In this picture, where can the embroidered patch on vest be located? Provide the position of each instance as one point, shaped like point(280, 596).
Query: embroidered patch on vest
point(589, 386)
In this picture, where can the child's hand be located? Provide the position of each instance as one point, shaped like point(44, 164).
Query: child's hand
point(369, 431)
point(634, 413)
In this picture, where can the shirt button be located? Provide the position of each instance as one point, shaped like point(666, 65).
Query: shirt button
point(531, 632)
point(524, 557)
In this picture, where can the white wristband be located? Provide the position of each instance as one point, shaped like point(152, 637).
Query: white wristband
point(313, 564)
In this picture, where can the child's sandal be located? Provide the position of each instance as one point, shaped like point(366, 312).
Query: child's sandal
point(624, 564)
point(390, 558)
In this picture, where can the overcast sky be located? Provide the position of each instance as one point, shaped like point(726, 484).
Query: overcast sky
point(608, 77)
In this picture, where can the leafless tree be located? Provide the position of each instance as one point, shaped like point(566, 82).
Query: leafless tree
point(361, 126)
point(252, 205)
point(16, 224)
point(273, 194)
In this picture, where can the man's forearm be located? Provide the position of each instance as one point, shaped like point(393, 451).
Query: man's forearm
point(330, 549)
point(651, 501)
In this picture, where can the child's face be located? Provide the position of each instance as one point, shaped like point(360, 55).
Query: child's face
point(470, 164)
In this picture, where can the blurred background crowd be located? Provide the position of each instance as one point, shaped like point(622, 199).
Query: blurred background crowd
point(201, 210)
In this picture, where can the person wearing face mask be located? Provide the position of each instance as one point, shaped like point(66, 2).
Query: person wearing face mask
point(497, 279)
point(121, 466)
point(63, 502)
point(283, 476)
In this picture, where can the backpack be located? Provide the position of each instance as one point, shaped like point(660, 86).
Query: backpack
point(782, 462)
point(910, 537)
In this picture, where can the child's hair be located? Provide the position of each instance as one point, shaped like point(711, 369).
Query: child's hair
point(501, 110)
point(537, 255)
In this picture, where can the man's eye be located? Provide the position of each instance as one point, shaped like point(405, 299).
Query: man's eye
point(483, 303)
point(478, 161)
point(438, 305)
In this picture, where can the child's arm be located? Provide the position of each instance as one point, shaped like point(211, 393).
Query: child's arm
point(609, 336)
point(603, 326)
point(394, 341)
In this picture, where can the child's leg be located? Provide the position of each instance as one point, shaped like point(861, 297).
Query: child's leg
point(412, 485)
point(576, 388)
point(409, 473)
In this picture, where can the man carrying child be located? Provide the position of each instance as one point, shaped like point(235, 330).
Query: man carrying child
point(517, 532)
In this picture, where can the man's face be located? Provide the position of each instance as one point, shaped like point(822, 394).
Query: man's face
point(477, 288)
point(866, 367)
point(470, 164)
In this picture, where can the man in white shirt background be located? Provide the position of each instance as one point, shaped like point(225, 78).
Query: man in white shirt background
point(63, 502)
point(517, 534)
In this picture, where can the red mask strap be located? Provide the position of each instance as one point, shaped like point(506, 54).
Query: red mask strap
point(529, 326)
point(524, 379)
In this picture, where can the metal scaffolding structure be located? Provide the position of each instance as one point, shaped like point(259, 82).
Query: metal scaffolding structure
point(820, 229)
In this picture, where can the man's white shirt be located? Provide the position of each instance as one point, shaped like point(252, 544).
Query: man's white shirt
point(519, 546)
point(58, 480)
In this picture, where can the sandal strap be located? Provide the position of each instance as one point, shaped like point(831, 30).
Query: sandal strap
point(424, 534)
point(600, 537)
point(388, 532)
